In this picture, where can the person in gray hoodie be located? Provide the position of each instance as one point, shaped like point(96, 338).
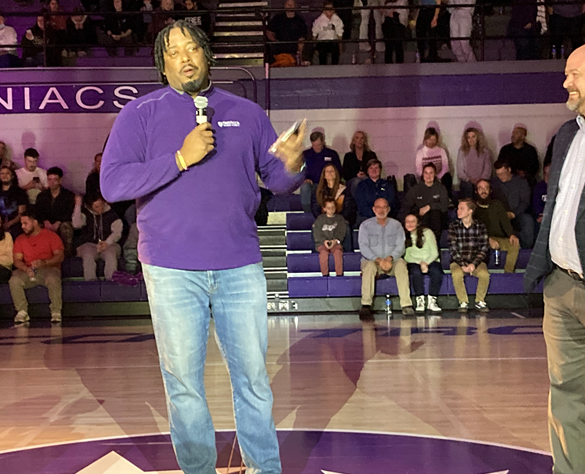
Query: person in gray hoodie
point(101, 229)
point(329, 232)
point(429, 200)
point(515, 193)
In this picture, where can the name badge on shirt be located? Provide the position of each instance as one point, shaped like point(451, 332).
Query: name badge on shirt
point(328, 158)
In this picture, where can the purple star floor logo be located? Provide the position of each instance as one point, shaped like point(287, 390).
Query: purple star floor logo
point(302, 452)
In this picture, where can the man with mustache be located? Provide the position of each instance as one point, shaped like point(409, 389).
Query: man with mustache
point(198, 244)
point(559, 257)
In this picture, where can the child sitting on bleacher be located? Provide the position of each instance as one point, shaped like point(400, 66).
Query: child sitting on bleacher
point(328, 232)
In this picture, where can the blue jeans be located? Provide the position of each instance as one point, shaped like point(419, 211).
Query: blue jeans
point(182, 303)
point(306, 190)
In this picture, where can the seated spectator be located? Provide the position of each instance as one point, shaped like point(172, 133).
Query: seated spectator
point(5, 158)
point(431, 152)
point(492, 213)
point(382, 246)
point(118, 32)
point(521, 156)
point(422, 257)
point(80, 32)
point(31, 178)
point(468, 246)
point(8, 41)
point(286, 26)
point(565, 21)
point(38, 254)
point(198, 16)
point(372, 188)
point(354, 162)
point(539, 196)
point(92, 182)
point(394, 30)
point(6, 257)
point(55, 208)
point(101, 229)
point(316, 158)
point(330, 188)
point(460, 26)
point(429, 200)
point(328, 30)
point(524, 28)
point(57, 23)
point(328, 233)
point(163, 16)
point(514, 192)
point(142, 24)
point(13, 202)
point(131, 245)
point(473, 161)
point(36, 41)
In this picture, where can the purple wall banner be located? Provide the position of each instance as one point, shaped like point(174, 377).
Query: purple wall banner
point(302, 452)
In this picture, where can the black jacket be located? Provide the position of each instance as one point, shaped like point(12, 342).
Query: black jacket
point(59, 209)
point(540, 264)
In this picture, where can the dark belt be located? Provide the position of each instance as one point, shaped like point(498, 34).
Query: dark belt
point(574, 275)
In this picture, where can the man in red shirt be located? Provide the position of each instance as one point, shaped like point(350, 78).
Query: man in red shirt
point(38, 254)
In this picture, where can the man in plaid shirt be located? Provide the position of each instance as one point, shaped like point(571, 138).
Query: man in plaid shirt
point(468, 245)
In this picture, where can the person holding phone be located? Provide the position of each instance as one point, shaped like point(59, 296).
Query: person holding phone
point(198, 244)
point(31, 178)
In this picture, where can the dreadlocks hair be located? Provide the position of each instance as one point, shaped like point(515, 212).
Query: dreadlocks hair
point(162, 39)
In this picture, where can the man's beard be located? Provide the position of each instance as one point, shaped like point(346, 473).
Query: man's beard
point(195, 86)
point(576, 106)
point(483, 202)
point(28, 232)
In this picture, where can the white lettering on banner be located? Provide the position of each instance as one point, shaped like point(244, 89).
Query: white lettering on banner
point(7, 104)
point(57, 100)
point(228, 123)
point(117, 93)
point(79, 98)
point(26, 98)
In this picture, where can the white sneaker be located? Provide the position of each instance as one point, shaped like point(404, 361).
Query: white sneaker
point(420, 304)
point(481, 306)
point(56, 317)
point(463, 307)
point(432, 305)
point(21, 317)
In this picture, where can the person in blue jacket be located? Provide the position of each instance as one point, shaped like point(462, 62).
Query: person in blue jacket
point(372, 188)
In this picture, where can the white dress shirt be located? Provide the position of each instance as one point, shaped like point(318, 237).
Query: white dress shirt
point(562, 241)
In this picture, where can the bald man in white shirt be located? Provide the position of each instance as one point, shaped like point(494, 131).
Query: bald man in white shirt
point(559, 257)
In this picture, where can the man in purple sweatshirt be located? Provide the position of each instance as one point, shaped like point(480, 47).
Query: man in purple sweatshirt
point(198, 243)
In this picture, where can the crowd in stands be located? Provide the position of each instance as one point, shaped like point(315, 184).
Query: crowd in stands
point(43, 223)
point(434, 24)
point(55, 35)
point(498, 207)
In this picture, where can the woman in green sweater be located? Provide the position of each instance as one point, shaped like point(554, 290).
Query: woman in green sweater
point(422, 256)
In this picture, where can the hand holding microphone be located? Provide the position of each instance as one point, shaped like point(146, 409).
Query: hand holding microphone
point(200, 141)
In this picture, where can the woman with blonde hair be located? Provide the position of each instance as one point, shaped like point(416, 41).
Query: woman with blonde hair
point(473, 161)
point(354, 162)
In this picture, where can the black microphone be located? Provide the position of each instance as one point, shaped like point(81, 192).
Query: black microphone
point(201, 104)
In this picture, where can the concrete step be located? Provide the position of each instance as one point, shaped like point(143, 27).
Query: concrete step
point(279, 285)
point(271, 262)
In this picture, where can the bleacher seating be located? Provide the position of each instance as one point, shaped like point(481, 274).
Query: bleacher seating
point(305, 281)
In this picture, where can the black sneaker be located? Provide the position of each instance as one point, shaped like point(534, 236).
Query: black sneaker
point(366, 314)
point(407, 311)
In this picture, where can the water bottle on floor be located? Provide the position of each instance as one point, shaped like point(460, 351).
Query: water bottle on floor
point(497, 257)
point(388, 306)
